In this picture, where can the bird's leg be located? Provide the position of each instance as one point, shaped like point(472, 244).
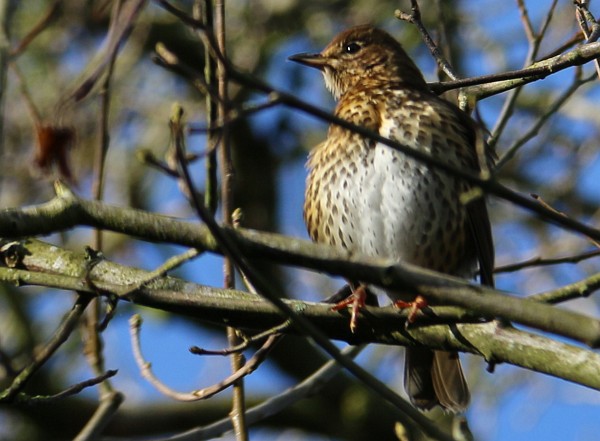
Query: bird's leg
point(358, 300)
point(414, 307)
point(340, 295)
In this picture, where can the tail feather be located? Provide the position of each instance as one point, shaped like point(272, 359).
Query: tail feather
point(417, 377)
point(449, 381)
point(435, 377)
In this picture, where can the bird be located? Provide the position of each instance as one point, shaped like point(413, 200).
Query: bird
point(367, 197)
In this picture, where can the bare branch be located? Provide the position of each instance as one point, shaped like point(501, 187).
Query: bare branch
point(415, 18)
point(102, 416)
point(487, 85)
point(68, 392)
point(308, 387)
point(37, 29)
point(60, 336)
point(543, 118)
point(527, 26)
point(538, 261)
point(376, 325)
point(535, 40)
point(200, 394)
point(67, 211)
point(245, 344)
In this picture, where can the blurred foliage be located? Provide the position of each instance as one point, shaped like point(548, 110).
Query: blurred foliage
point(561, 163)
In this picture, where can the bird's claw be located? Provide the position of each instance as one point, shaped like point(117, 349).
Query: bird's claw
point(413, 307)
point(358, 300)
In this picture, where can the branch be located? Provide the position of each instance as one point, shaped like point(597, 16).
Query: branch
point(68, 392)
point(485, 86)
point(67, 211)
point(43, 24)
point(535, 40)
point(201, 394)
point(60, 336)
point(509, 80)
point(377, 325)
point(489, 185)
point(539, 261)
point(106, 411)
point(415, 18)
point(543, 118)
point(307, 387)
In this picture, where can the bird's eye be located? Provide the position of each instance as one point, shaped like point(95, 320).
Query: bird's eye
point(352, 48)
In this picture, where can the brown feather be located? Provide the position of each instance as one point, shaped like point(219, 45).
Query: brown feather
point(366, 197)
point(449, 381)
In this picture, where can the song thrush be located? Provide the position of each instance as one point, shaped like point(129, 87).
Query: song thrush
point(367, 197)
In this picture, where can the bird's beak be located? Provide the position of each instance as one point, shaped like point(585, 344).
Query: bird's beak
point(317, 61)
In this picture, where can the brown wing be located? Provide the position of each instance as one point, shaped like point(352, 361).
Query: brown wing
point(481, 157)
point(481, 231)
point(479, 220)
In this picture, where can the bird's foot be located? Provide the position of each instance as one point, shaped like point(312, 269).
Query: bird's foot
point(413, 307)
point(358, 300)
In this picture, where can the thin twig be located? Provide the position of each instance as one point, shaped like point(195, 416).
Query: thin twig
point(203, 11)
point(586, 19)
point(102, 416)
point(527, 26)
point(543, 118)
point(147, 157)
point(6, 13)
point(238, 408)
point(485, 85)
point(93, 344)
point(118, 31)
point(538, 261)
point(415, 18)
point(242, 112)
point(200, 394)
point(551, 208)
point(575, 39)
point(535, 40)
point(34, 113)
point(68, 392)
point(167, 59)
point(36, 30)
point(64, 331)
point(177, 147)
point(576, 290)
point(183, 16)
point(248, 341)
point(309, 386)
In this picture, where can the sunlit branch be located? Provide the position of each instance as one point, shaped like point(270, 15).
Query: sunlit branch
point(67, 211)
point(376, 325)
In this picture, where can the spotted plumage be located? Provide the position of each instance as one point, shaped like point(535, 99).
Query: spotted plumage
point(369, 198)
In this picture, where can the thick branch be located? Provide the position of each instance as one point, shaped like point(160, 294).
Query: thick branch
point(245, 310)
point(67, 211)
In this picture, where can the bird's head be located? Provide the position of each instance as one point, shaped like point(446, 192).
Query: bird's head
point(363, 56)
